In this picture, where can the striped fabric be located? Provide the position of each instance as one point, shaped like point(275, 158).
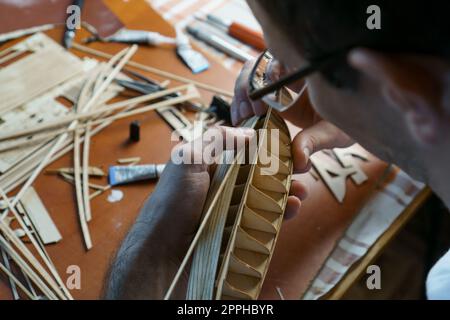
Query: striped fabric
point(373, 220)
point(180, 13)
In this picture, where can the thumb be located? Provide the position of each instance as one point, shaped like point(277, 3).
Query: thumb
point(322, 135)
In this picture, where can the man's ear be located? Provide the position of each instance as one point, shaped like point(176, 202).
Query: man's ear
point(413, 84)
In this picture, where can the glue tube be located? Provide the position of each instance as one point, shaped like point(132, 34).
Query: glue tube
point(127, 174)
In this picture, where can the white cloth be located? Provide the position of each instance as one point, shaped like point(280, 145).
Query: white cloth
point(438, 280)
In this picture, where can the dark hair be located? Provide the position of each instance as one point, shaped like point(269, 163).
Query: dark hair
point(321, 27)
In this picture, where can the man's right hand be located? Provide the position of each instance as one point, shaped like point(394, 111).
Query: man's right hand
point(317, 134)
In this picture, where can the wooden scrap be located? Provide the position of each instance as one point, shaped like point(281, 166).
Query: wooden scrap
point(159, 72)
point(23, 80)
point(133, 160)
point(39, 216)
point(85, 174)
point(69, 178)
point(14, 280)
point(54, 281)
point(347, 158)
point(12, 283)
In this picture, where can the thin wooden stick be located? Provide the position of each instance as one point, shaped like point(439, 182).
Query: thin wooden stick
point(78, 192)
point(99, 192)
point(85, 177)
point(85, 174)
point(26, 172)
point(16, 176)
point(128, 160)
point(16, 281)
point(63, 137)
point(108, 108)
point(125, 114)
point(127, 53)
point(41, 251)
point(156, 71)
point(82, 108)
point(10, 56)
point(76, 165)
point(42, 139)
point(6, 261)
point(8, 50)
point(92, 171)
point(280, 293)
point(33, 261)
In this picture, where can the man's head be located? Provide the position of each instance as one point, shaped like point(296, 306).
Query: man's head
point(392, 91)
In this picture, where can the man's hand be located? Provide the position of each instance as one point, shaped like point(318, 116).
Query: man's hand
point(153, 250)
point(317, 134)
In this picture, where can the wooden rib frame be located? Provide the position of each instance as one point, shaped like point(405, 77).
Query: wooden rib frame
point(254, 209)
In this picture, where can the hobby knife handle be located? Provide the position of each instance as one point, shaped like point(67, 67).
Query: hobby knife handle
point(247, 35)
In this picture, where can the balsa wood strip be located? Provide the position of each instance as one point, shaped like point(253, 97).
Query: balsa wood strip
point(23, 81)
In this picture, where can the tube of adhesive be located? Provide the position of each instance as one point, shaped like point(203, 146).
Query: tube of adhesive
point(140, 36)
point(127, 174)
point(193, 59)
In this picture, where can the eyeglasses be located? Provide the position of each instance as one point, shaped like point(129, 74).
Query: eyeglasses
point(265, 83)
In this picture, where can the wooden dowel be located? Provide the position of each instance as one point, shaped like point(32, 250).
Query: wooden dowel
point(99, 87)
point(71, 180)
point(99, 192)
point(85, 173)
point(78, 192)
point(126, 53)
point(156, 71)
point(108, 108)
point(33, 141)
point(16, 281)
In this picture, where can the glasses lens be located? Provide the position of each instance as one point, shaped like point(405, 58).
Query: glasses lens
point(268, 71)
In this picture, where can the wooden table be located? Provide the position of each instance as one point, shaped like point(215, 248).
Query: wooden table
point(111, 221)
